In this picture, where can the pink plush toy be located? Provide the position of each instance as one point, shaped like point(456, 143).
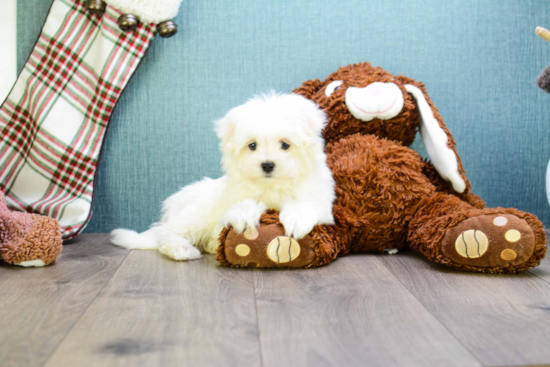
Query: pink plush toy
point(28, 239)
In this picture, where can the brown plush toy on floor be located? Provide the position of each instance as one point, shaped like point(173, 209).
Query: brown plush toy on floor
point(28, 239)
point(387, 196)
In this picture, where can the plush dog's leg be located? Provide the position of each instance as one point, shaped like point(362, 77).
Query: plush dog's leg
point(271, 248)
point(452, 232)
point(445, 186)
point(378, 183)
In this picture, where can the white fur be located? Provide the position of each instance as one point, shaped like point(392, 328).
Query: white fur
point(443, 158)
point(301, 186)
point(148, 11)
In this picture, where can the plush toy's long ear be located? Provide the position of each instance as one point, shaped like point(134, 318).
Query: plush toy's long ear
point(309, 88)
point(439, 142)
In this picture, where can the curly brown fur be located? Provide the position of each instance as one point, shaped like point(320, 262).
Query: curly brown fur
point(386, 195)
point(380, 186)
point(402, 128)
point(269, 217)
point(440, 211)
point(341, 123)
point(26, 237)
point(445, 186)
point(378, 182)
point(220, 251)
point(328, 242)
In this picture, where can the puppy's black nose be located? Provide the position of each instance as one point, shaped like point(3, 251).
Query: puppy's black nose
point(268, 166)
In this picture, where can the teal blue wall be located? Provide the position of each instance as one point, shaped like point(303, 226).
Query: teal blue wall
point(478, 59)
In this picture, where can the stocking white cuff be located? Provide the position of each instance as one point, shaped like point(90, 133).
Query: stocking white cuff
point(148, 11)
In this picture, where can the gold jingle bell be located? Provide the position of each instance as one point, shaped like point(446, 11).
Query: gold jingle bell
point(128, 22)
point(95, 6)
point(167, 29)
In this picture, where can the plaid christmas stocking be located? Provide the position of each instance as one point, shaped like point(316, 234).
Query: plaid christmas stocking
point(54, 120)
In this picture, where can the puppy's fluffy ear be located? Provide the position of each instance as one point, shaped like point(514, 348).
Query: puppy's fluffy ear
point(316, 118)
point(225, 129)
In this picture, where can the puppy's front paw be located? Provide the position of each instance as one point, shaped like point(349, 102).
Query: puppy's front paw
point(245, 215)
point(298, 220)
point(179, 252)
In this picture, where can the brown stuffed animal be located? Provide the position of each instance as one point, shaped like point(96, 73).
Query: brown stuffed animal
point(28, 240)
point(387, 196)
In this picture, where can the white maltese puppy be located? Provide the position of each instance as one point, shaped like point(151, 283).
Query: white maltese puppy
point(273, 158)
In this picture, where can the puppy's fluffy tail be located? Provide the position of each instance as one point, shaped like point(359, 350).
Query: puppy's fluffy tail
point(135, 241)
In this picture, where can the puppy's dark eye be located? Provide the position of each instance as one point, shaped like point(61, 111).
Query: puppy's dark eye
point(284, 145)
point(252, 146)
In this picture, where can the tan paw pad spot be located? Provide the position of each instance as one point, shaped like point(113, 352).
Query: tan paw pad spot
point(471, 244)
point(283, 249)
point(251, 234)
point(500, 221)
point(512, 235)
point(508, 254)
point(242, 249)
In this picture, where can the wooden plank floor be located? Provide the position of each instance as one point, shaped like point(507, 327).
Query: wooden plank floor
point(105, 306)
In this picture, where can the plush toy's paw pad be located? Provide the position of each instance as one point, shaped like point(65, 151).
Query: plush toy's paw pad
point(490, 241)
point(270, 248)
point(31, 263)
point(283, 250)
point(471, 244)
point(251, 234)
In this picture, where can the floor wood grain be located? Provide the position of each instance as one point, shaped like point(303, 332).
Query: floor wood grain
point(104, 306)
point(351, 313)
point(39, 306)
point(543, 270)
point(502, 319)
point(159, 312)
